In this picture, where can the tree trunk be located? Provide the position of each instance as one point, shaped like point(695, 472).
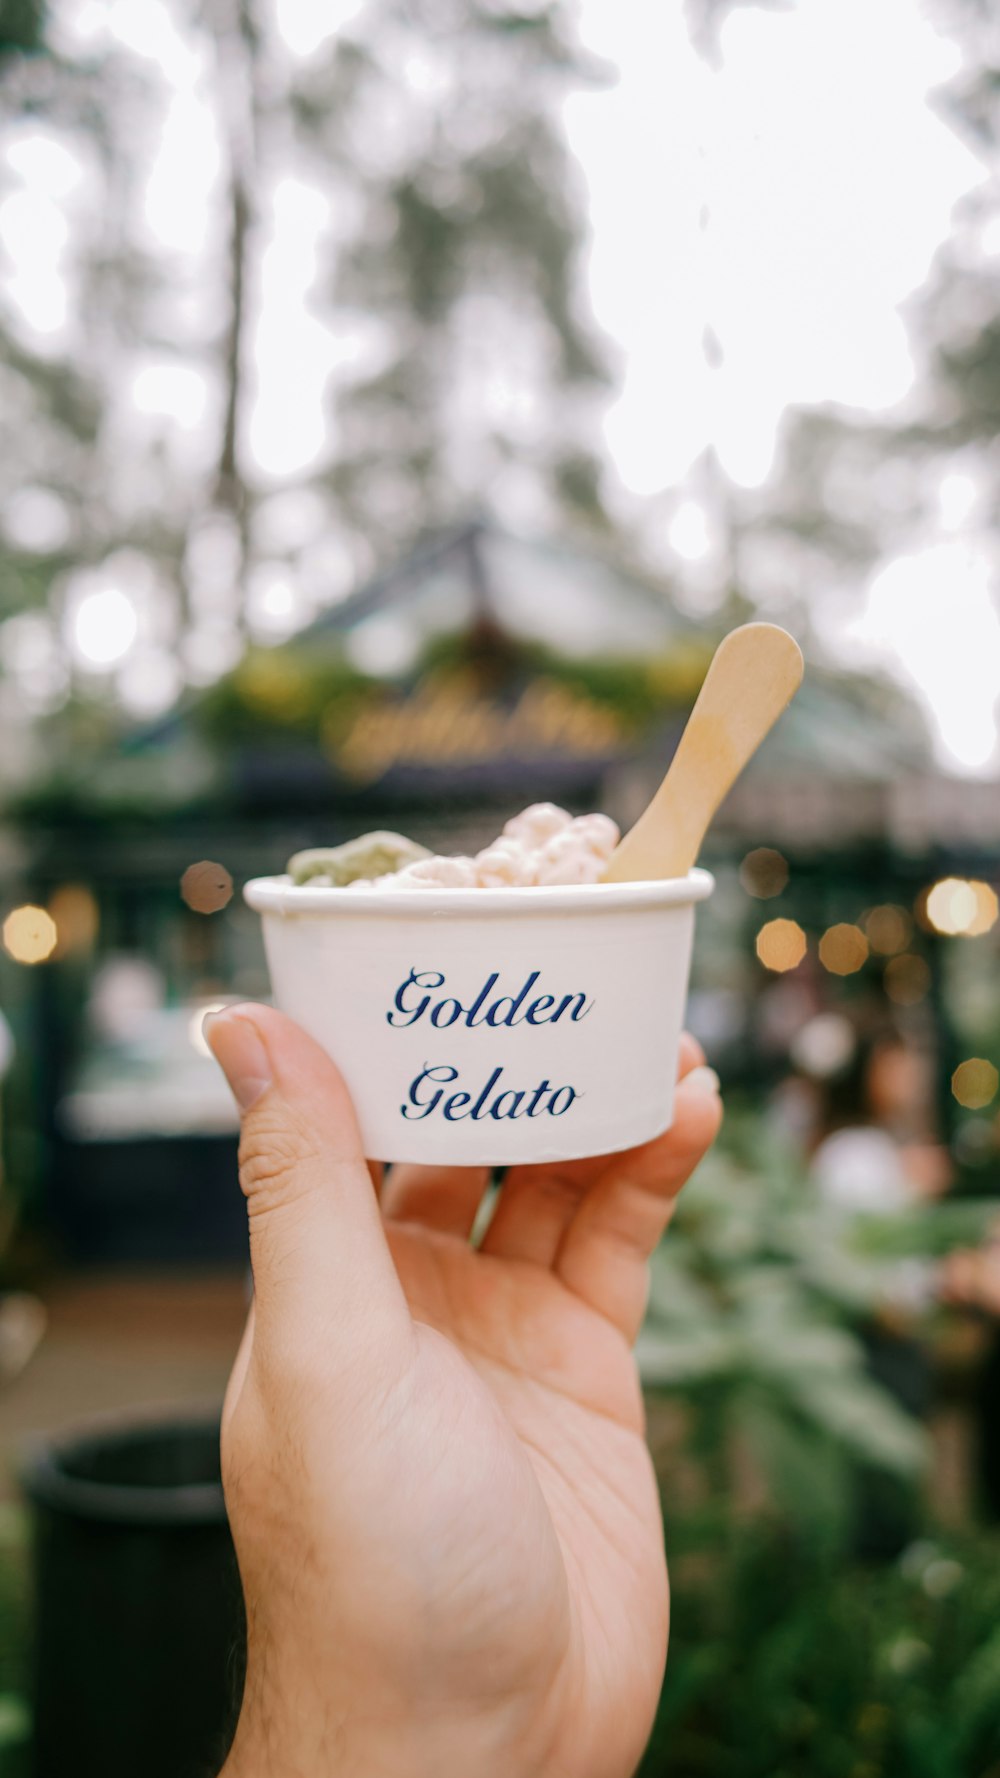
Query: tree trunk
point(237, 46)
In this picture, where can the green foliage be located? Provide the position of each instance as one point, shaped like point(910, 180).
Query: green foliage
point(466, 254)
point(314, 693)
point(749, 1298)
point(21, 26)
point(433, 126)
point(637, 690)
point(788, 1658)
point(283, 691)
point(88, 768)
point(755, 1301)
point(785, 1665)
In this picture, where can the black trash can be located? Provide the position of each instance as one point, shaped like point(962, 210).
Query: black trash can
point(139, 1625)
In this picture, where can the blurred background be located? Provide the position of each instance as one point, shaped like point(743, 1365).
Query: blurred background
point(398, 400)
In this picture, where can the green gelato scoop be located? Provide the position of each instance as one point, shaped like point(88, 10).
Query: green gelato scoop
point(370, 855)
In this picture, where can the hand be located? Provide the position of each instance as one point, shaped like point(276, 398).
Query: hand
point(445, 1513)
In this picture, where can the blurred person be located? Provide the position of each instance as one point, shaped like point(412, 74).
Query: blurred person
point(444, 1509)
point(876, 1148)
point(876, 1154)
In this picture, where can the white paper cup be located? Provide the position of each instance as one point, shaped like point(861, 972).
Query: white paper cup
point(491, 1026)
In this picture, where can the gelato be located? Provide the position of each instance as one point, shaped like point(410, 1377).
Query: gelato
point(542, 845)
point(371, 855)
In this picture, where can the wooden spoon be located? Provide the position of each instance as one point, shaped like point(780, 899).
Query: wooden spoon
point(753, 675)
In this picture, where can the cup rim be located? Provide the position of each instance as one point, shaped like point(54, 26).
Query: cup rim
point(279, 895)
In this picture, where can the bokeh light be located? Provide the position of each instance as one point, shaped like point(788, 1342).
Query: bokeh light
point(824, 1046)
point(74, 911)
point(30, 934)
point(961, 909)
point(907, 979)
point(951, 905)
point(781, 945)
point(888, 929)
point(843, 949)
point(987, 909)
point(974, 1083)
point(206, 887)
point(764, 873)
point(127, 993)
point(104, 626)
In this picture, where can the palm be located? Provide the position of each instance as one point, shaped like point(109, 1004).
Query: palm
point(543, 1389)
point(582, 1550)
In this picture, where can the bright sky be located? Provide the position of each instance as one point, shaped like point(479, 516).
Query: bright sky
point(825, 183)
point(789, 202)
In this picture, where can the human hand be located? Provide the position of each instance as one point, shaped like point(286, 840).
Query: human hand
point(445, 1513)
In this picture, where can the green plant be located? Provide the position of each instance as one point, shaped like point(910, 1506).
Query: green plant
point(786, 1665)
point(757, 1303)
point(789, 1658)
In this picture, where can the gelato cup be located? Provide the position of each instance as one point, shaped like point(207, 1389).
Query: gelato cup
point(491, 1026)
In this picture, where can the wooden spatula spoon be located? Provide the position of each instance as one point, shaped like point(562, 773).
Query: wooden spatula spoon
point(754, 674)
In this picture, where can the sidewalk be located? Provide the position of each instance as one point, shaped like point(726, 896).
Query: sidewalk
point(119, 1343)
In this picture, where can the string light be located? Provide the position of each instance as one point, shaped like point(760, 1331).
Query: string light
point(206, 887)
point(987, 909)
point(974, 1083)
point(30, 935)
point(843, 950)
point(962, 909)
point(764, 873)
point(781, 945)
point(888, 929)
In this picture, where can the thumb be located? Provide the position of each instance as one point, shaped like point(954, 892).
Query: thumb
point(325, 1287)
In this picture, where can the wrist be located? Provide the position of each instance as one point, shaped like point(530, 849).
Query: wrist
point(359, 1725)
point(268, 1756)
point(286, 1744)
point(277, 1745)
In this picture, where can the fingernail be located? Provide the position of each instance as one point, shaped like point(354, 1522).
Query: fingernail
point(703, 1079)
point(237, 1047)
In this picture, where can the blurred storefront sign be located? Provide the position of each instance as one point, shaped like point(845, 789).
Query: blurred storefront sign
point(447, 722)
point(479, 667)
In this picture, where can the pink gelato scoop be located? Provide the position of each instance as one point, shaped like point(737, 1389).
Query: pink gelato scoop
point(542, 845)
